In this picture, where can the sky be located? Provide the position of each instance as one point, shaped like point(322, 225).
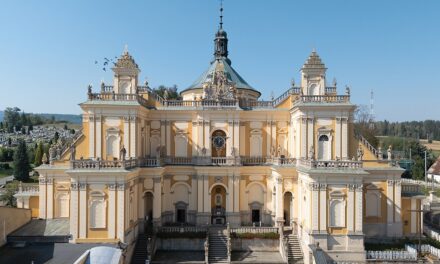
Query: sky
point(49, 48)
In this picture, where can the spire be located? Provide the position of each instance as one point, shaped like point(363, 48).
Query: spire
point(221, 40)
point(221, 14)
point(314, 61)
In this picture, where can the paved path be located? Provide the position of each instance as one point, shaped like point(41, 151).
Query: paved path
point(256, 257)
point(6, 179)
point(163, 256)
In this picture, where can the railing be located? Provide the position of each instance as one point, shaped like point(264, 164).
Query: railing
point(206, 246)
point(368, 145)
point(228, 242)
point(410, 253)
point(412, 189)
point(28, 188)
point(418, 182)
point(75, 137)
point(324, 99)
point(103, 164)
point(254, 230)
point(185, 161)
point(182, 229)
point(318, 255)
point(431, 232)
point(282, 97)
point(330, 164)
point(330, 90)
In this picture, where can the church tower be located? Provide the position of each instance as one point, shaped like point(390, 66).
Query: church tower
point(313, 75)
point(126, 73)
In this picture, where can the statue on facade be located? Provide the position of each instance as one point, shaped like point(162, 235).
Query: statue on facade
point(52, 153)
point(204, 151)
point(89, 91)
point(312, 152)
point(122, 153)
point(279, 151)
point(360, 153)
point(72, 152)
point(233, 152)
point(389, 152)
point(379, 153)
point(272, 151)
point(45, 159)
point(347, 90)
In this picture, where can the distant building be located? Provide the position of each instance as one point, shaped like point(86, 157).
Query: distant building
point(434, 171)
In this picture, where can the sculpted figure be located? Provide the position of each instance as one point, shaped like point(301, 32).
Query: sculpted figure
point(122, 153)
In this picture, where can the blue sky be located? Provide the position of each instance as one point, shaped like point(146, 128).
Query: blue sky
point(48, 48)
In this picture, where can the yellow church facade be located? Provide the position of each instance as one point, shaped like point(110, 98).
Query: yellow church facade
point(220, 155)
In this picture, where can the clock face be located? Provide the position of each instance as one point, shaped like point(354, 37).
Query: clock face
point(219, 141)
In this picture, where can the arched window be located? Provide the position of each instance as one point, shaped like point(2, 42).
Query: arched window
point(323, 148)
point(313, 89)
point(97, 207)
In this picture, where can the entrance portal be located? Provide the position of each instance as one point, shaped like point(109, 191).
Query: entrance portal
point(256, 216)
point(148, 212)
point(218, 205)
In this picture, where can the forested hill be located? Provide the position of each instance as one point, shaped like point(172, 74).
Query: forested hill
point(74, 119)
point(428, 129)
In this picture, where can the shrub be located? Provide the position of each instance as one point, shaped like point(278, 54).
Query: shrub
point(270, 235)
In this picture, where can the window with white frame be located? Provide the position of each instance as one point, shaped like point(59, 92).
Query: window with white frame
point(97, 206)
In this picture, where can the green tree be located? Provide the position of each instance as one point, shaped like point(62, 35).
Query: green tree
point(21, 162)
point(7, 197)
point(168, 93)
point(39, 154)
point(12, 117)
point(56, 137)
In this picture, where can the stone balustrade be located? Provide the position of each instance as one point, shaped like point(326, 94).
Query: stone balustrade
point(254, 230)
point(330, 164)
point(28, 189)
point(103, 164)
point(183, 229)
point(91, 164)
point(324, 99)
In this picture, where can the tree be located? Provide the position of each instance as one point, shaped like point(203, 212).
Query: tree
point(21, 162)
point(56, 137)
point(7, 197)
point(66, 127)
point(12, 117)
point(39, 154)
point(364, 126)
point(168, 93)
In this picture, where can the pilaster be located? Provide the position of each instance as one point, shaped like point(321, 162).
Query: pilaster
point(310, 134)
point(111, 210)
point(91, 136)
point(315, 206)
point(50, 197)
point(126, 133)
point(359, 208)
point(120, 224)
point(350, 208)
point(344, 138)
point(98, 137)
point(157, 207)
point(133, 139)
point(323, 208)
point(168, 137)
point(74, 210)
point(338, 137)
point(303, 138)
point(42, 198)
point(82, 210)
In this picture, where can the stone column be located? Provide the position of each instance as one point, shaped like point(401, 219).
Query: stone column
point(82, 210)
point(323, 208)
point(126, 140)
point(98, 137)
point(200, 139)
point(199, 194)
point(344, 144)
point(195, 135)
point(230, 195)
point(279, 216)
point(73, 210)
point(237, 137)
point(133, 139)
point(390, 208)
point(162, 133)
point(157, 206)
point(121, 214)
point(359, 208)
point(315, 206)
point(168, 137)
point(303, 136)
point(350, 208)
point(42, 198)
point(268, 137)
point(273, 134)
point(338, 136)
point(236, 194)
point(207, 138)
point(206, 195)
point(230, 139)
point(310, 135)
point(91, 136)
point(111, 210)
point(50, 198)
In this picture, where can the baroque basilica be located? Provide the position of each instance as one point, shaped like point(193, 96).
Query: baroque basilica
point(221, 156)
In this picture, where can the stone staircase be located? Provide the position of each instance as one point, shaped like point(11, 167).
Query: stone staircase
point(218, 248)
point(140, 253)
point(294, 252)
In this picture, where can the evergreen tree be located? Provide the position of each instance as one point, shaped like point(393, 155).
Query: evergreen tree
point(39, 154)
point(21, 162)
point(56, 137)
